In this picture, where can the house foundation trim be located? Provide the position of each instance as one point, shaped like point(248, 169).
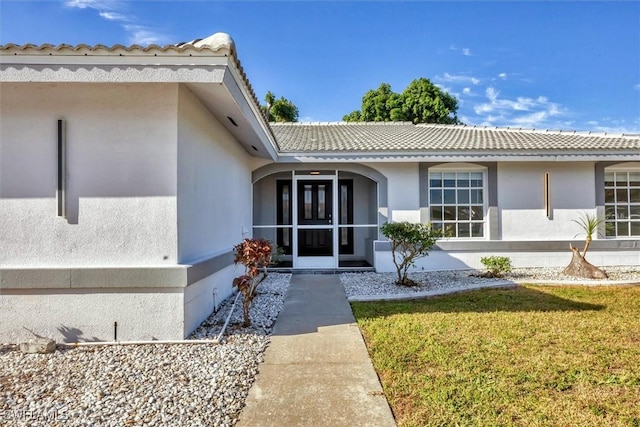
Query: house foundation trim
point(179, 276)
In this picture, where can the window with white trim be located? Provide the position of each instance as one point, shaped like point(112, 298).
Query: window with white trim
point(622, 203)
point(457, 202)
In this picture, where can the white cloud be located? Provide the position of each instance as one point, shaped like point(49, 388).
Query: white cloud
point(117, 11)
point(113, 16)
point(460, 78)
point(637, 87)
point(465, 50)
point(503, 76)
point(466, 90)
point(521, 112)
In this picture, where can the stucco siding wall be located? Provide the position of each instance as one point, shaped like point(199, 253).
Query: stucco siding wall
point(214, 184)
point(121, 175)
point(89, 315)
point(204, 297)
point(521, 199)
point(403, 191)
point(214, 201)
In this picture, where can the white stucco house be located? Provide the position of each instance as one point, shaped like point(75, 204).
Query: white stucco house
point(127, 174)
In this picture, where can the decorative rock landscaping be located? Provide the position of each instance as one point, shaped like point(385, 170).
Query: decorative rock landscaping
point(383, 284)
point(160, 384)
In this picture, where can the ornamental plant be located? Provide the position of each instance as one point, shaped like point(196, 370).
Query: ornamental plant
point(579, 266)
point(255, 255)
point(409, 241)
point(496, 265)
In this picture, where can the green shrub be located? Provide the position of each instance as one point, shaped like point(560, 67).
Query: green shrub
point(497, 265)
point(409, 241)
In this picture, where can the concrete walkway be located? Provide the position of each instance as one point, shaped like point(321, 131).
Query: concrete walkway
point(317, 370)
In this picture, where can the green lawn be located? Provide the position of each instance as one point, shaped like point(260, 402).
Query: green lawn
point(529, 356)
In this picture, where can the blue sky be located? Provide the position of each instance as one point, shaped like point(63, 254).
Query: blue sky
point(545, 65)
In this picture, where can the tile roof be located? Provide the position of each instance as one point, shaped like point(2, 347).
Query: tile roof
point(405, 137)
point(219, 43)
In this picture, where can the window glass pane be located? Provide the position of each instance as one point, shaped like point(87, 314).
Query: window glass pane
point(464, 229)
point(634, 179)
point(308, 202)
point(449, 197)
point(435, 197)
point(622, 212)
point(436, 226)
point(285, 237)
point(463, 212)
point(610, 212)
point(476, 196)
point(449, 213)
point(608, 179)
point(463, 197)
point(623, 229)
point(609, 196)
point(449, 179)
point(621, 195)
point(344, 236)
point(477, 229)
point(634, 212)
point(476, 179)
point(435, 180)
point(344, 204)
point(463, 180)
point(477, 213)
point(285, 205)
point(321, 202)
point(635, 228)
point(436, 213)
point(621, 179)
point(634, 195)
point(450, 230)
point(610, 229)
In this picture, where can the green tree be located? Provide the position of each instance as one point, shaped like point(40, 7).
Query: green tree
point(279, 110)
point(420, 102)
point(354, 116)
point(424, 102)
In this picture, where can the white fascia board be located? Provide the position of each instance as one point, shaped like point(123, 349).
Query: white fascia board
point(448, 157)
point(111, 74)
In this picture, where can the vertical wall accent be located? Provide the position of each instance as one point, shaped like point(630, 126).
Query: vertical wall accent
point(547, 194)
point(62, 169)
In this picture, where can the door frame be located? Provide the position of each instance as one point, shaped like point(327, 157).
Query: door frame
point(315, 261)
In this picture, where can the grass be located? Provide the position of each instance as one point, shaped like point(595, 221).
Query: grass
point(527, 356)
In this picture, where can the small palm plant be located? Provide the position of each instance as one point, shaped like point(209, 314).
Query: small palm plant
point(579, 266)
point(589, 224)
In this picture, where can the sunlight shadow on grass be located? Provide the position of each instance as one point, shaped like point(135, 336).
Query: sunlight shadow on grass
point(518, 299)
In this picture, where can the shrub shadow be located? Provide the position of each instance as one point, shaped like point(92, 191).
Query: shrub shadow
point(515, 299)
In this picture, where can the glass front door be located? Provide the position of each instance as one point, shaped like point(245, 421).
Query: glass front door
point(315, 218)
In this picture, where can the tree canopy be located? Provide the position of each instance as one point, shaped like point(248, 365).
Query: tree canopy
point(279, 110)
point(420, 102)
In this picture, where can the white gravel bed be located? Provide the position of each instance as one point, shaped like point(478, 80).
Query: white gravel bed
point(383, 284)
point(162, 385)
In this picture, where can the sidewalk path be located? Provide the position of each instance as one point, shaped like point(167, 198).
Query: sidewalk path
point(316, 370)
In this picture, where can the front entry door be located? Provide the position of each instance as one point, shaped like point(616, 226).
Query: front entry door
point(315, 225)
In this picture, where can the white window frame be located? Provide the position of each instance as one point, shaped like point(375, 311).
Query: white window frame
point(462, 168)
point(631, 207)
